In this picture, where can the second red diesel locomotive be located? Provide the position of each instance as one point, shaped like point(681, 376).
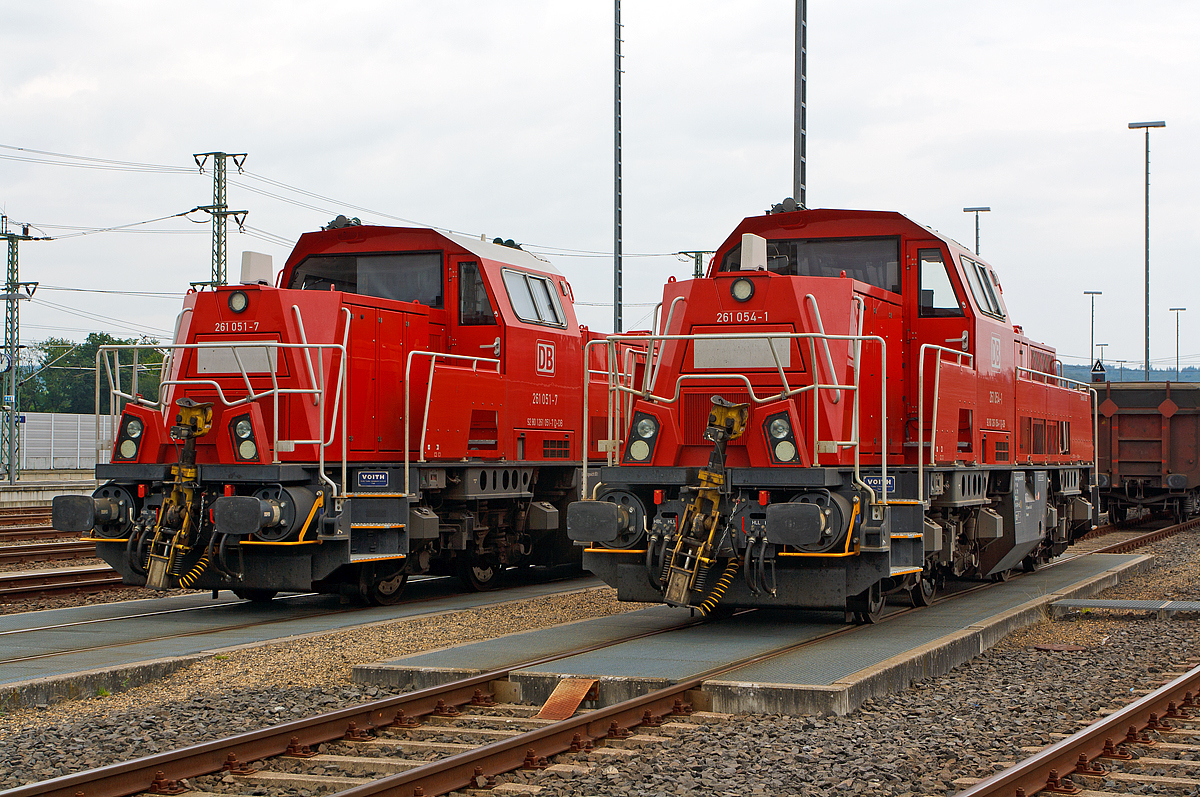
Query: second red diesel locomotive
point(842, 409)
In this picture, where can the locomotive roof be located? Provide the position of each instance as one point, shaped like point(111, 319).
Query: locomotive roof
point(502, 254)
point(855, 222)
point(317, 242)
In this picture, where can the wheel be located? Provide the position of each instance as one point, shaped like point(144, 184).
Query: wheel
point(866, 606)
point(1116, 513)
point(480, 573)
point(926, 588)
point(1029, 563)
point(256, 595)
point(1002, 576)
point(388, 591)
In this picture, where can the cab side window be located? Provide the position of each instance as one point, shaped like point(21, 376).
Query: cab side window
point(937, 298)
point(474, 309)
point(981, 281)
point(533, 298)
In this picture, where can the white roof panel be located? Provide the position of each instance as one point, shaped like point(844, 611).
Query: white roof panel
point(502, 254)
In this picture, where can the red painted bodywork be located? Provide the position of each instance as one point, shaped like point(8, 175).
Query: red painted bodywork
point(980, 404)
point(521, 409)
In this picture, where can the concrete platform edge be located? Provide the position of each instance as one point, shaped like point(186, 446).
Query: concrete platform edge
point(75, 686)
point(407, 679)
point(897, 673)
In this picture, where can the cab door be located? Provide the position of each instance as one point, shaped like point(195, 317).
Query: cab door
point(475, 326)
point(939, 315)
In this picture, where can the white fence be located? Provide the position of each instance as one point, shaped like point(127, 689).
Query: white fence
point(59, 441)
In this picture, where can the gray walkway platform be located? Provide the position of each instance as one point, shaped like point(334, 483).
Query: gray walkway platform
point(832, 676)
point(62, 653)
point(1164, 609)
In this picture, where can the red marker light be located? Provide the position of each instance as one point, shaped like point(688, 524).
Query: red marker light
point(141, 491)
point(658, 497)
point(228, 490)
point(764, 497)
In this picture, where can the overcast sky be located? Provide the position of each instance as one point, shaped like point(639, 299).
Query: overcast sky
point(496, 118)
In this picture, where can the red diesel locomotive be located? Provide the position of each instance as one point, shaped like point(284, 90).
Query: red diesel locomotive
point(840, 410)
point(402, 401)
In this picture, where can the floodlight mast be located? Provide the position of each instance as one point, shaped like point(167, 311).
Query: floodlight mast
point(976, 211)
point(1146, 126)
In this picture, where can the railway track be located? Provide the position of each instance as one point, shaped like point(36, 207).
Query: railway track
point(30, 584)
point(1150, 745)
point(397, 746)
point(504, 738)
point(48, 552)
point(25, 516)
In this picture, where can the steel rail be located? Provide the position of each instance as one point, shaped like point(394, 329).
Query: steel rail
point(454, 772)
point(14, 515)
point(23, 533)
point(130, 777)
point(1124, 546)
point(50, 582)
point(47, 551)
point(1035, 773)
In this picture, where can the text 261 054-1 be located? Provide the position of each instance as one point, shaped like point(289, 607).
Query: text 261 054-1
point(741, 317)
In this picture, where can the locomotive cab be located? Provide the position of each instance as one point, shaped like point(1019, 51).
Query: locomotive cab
point(840, 410)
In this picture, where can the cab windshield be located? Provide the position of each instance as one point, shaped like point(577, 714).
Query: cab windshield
point(401, 276)
point(875, 261)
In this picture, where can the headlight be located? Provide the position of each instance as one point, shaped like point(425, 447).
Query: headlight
point(134, 429)
point(247, 449)
point(238, 301)
point(128, 449)
point(639, 450)
point(243, 429)
point(741, 289)
point(646, 427)
point(785, 451)
point(779, 428)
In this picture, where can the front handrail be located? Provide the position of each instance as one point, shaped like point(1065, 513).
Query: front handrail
point(108, 359)
point(810, 299)
point(959, 354)
point(433, 359)
point(786, 391)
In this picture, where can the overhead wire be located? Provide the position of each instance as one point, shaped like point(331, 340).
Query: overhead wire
point(97, 317)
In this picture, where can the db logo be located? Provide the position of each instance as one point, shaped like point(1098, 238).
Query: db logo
point(545, 358)
point(996, 359)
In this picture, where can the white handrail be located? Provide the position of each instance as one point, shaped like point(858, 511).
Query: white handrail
point(237, 348)
point(926, 348)
point(786, 391)
point(434, 357)
point(304, 339)
point(808, 297)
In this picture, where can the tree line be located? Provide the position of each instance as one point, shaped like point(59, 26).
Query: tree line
point(61, 374)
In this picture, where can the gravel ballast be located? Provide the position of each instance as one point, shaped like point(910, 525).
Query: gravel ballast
point(915, 742)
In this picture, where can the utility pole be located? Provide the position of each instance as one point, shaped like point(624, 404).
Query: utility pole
point(617, 172)
point(219, 210)
point(698, 262)
point(12, 346)
point(799, 161)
